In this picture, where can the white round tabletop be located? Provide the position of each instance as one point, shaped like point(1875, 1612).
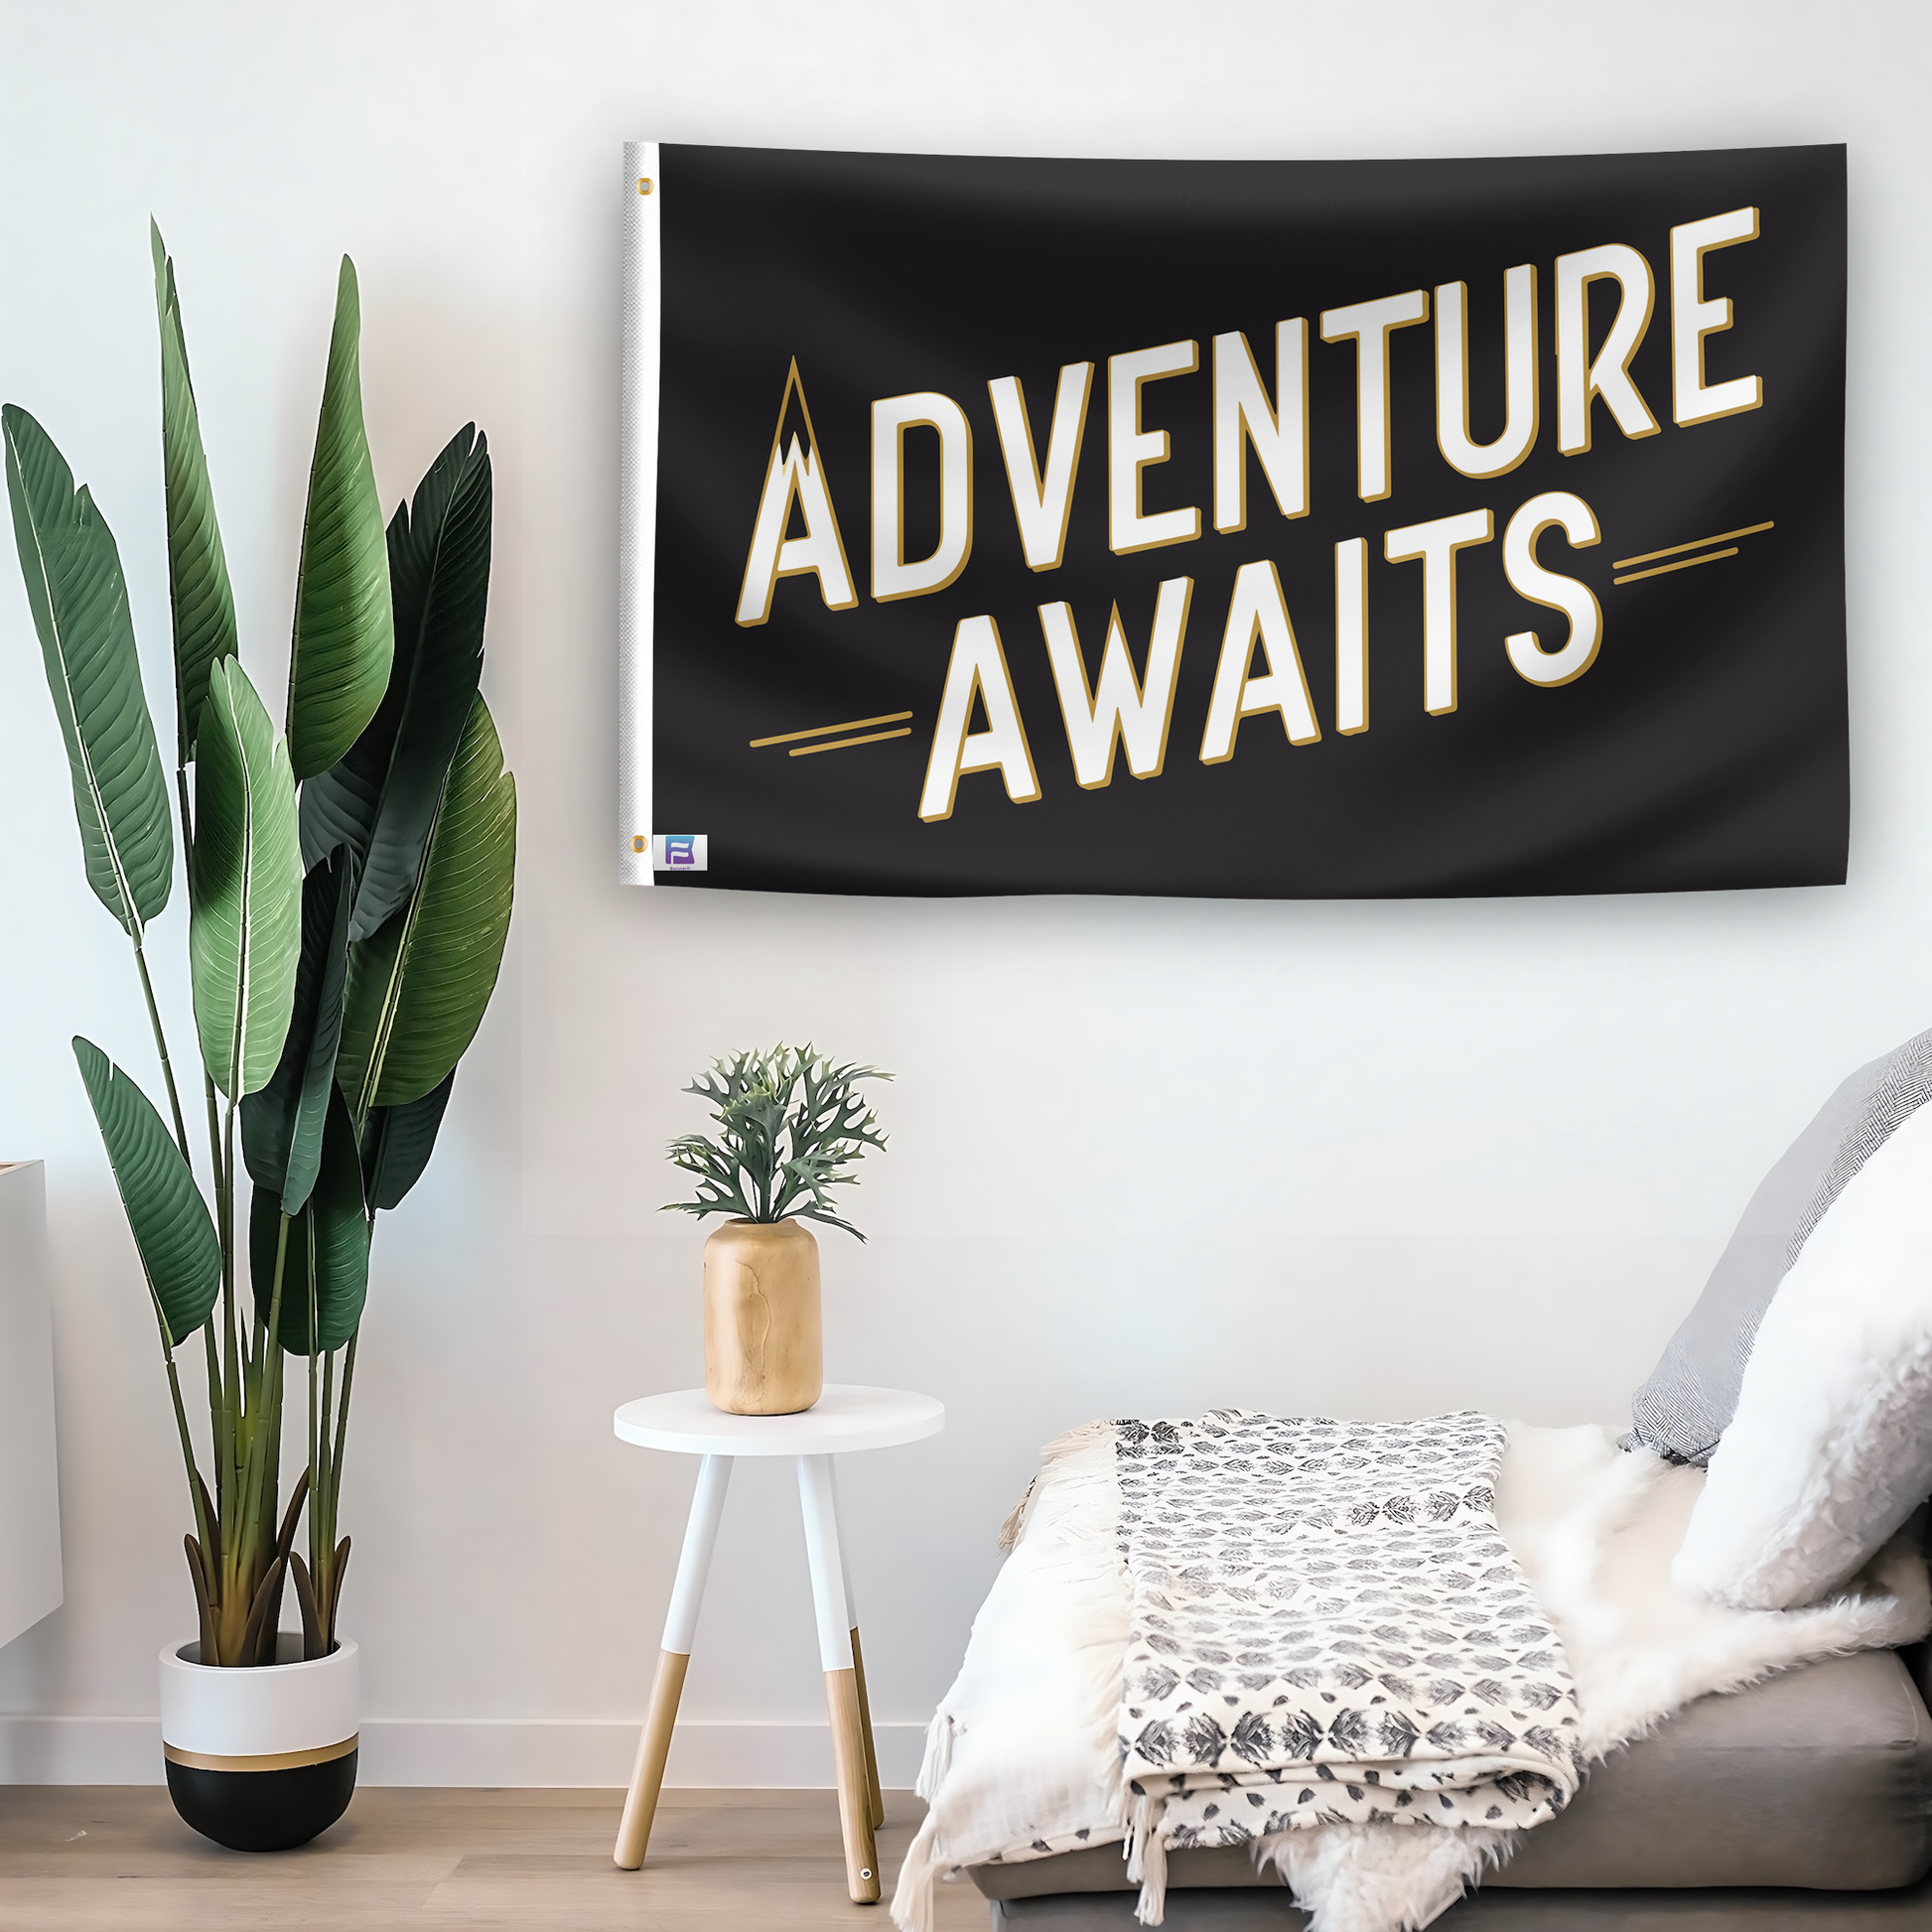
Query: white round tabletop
point(846, 1417)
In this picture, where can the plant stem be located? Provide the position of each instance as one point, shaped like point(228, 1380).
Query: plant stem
point(322, 1503)
point(233, 1420)
point(261, 1456)
point(161, 1048)
point(186, 1451)
point(336, 1489)
point(216, 1417)
point(318, 1435)
point(244, 1563)
point(219, 1395)
point(342, 1415)
point(230, 1351)
point(213, 1137)
point(180, 1426)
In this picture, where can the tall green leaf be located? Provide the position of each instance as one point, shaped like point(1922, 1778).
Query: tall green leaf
point(345, 634)
point(328, 1253)
point(381, 796)
point(79, 599)
point(198, 570)
point(338, 805)
point(244, 935)
point(281, 1126)
point(397, 1144)
point(417, 990)
point(180, 1253)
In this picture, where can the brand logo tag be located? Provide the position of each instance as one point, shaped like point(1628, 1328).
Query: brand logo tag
point(679, 851)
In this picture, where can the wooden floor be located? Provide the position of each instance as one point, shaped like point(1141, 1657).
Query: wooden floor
point(76, 1859)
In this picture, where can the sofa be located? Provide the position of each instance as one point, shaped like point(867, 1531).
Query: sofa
point(1801, 1804)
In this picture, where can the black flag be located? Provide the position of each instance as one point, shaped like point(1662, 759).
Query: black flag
point(1270, 529)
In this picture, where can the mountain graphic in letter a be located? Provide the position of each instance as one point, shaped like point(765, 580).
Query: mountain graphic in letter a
point(794, 424)
point(794, 476)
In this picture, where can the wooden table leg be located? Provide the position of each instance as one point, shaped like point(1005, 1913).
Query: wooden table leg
point(820, 1511)
point(680, 1626)
point(858, 1673)
point(874, 1796)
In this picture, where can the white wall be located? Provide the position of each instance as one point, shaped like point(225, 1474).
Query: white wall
point(1373, 1158)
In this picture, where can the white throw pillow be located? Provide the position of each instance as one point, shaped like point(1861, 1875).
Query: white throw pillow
point(1831, 1447)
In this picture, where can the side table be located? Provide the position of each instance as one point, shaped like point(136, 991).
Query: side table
point(843, 1418)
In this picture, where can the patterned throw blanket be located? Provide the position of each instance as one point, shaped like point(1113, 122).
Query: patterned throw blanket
point(1326, 1627)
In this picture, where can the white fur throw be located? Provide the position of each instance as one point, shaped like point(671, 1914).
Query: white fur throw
point(1023, 1757)
point(1831, 1447)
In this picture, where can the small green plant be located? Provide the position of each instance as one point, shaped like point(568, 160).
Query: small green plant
point(790, 1126)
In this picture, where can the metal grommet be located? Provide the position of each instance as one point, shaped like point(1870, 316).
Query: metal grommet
point(643, 184)
point(639, 843)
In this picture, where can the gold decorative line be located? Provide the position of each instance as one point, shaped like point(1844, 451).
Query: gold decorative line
point(1723, 536)
point(1683, 564)
point(260, 1762)
point(840, 743)
point(819, 731)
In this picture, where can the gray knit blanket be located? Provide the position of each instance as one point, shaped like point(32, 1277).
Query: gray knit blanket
point(1326, 1627)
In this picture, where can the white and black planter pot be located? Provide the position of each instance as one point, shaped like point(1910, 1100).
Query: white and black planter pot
point(260, 1759)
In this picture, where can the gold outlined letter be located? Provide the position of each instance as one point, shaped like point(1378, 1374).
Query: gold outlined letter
point(1692, 318)
point(1555, 508)
point(1131, 449)
point(1437, 543)
point(1042, 503)
point(1518, 436)
point(1580, 379)
point(1367, 324)
point(1119, 709)
point(1257, 610)
point(1351, 637)
point(1279, 432)
point(891, 576)
point(794, 474)
point(978, 664)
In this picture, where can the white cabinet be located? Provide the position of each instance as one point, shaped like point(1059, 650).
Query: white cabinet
point(29, 1497)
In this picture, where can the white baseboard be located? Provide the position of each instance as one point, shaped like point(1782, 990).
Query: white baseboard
point(480, 1752)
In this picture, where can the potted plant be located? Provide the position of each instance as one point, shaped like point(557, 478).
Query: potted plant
point(792, 1126)
point(350, 887)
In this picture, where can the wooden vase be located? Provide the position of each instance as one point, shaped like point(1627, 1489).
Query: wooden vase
point(764, 1343)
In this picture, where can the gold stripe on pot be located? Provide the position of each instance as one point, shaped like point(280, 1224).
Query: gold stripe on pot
point(265, 1761)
